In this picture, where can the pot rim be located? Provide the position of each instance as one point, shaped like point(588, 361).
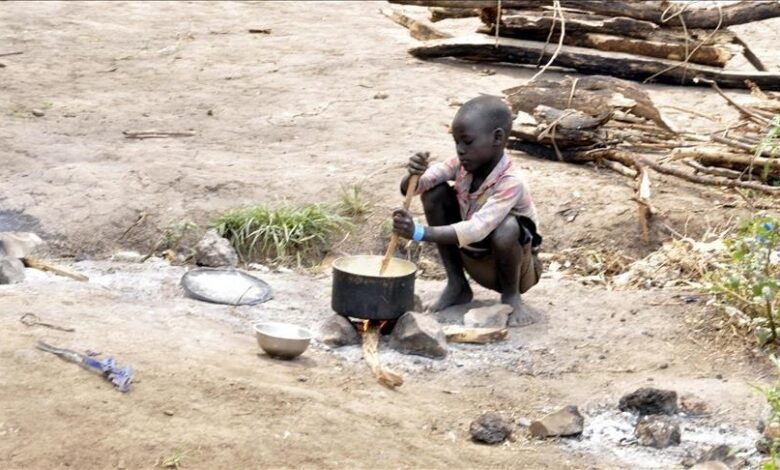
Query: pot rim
point(412, 267)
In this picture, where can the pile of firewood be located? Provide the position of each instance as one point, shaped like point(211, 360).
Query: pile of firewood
point(672, 42)
point(610, 121)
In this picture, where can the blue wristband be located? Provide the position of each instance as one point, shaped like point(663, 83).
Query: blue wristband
point(419, 232)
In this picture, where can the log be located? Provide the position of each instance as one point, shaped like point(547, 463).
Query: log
point(384, 376)
point(482, 48)
point(705, 18)
point(54, 269)
point(419, 28)
point(620, 35)
point(461, 334)
point(717, 156)
point(536, 24)
point(444, 13)
point(594, 95)
point(717, 56)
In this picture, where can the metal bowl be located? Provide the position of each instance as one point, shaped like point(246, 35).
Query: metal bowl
point(282, 340)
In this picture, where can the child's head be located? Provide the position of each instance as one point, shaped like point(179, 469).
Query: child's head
point(481, 128)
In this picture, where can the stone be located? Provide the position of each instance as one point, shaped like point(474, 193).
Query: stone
point(337, 331)
point(720, 453)
point(723, 455)
point(492, 316)
point(772, 430)
point(657, 431)
point(711, 465)
point(565, 422)
point(764, 446)
point(420, 334)
point(694, 406)
point(215, 251)
point(11, 270)
point(19, 244)
point(37, 112)
point(650, 401)
point(490, 428)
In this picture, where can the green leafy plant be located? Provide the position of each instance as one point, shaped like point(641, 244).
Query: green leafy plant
point(281, 235)
point(748, 285)
point(352, 203)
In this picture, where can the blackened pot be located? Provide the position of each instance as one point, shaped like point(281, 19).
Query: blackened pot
point(359, 291)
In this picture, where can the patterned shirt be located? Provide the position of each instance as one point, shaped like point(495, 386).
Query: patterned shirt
point(503, 192)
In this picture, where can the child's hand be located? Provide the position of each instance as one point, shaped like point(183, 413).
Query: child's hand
point(418, 163)
point(403, 224)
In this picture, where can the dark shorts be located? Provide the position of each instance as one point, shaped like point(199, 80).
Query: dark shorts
point(528, 234)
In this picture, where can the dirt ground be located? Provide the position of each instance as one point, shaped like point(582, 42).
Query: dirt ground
point(291, 116)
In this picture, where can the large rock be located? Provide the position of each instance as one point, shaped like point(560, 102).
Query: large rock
point(693, 405)
point(11, 270)
point(721, 454)
point(657, 431)
point(337, 331)
point(490, 428)
point(650, 401)
point(19, 244)
point(215, 251)
point(417, 333)
point(492, 316)
point(565, 422)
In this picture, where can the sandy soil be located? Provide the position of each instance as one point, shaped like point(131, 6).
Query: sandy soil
point(287, 116)
point(204, 388)
point(292, 116)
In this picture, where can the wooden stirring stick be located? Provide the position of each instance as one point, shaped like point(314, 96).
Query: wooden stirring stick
point(411, 188)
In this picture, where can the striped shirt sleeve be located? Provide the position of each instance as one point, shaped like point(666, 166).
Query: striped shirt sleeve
point(438, 173)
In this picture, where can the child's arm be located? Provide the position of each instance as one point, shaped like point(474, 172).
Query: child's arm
point(430, 176)
point(403, 224)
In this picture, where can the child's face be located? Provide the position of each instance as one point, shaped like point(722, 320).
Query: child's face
point(476, 143)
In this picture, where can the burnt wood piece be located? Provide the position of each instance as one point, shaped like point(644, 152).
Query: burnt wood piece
point(663, 44)
point(536, 24)
point(444, 13)
point(482, 48)
point(594, 95)
point(706, 18)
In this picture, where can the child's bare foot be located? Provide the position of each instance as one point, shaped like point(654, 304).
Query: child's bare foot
point(522, 314)
point(453, 294)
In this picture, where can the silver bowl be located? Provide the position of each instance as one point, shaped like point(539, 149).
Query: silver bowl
point(282, 340)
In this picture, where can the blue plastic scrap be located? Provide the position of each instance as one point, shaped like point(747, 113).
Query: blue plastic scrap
point(121, 377)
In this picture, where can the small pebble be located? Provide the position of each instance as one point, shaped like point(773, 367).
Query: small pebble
point(303, 379)
point(664, 366)
point(168, 412)
point(381, 96)
point(37, 113)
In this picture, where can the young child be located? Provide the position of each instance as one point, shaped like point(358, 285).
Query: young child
point(485, 223)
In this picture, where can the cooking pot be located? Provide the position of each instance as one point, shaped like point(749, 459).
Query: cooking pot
point(360, 292)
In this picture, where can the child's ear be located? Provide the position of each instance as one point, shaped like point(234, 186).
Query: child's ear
point(498, 136)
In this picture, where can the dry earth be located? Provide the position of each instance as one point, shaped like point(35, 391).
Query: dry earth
point(292, 116)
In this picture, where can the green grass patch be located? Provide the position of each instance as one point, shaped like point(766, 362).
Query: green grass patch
point(285, 235)
point(352, 202)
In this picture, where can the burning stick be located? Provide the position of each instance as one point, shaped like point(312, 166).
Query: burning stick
point(386, 377)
